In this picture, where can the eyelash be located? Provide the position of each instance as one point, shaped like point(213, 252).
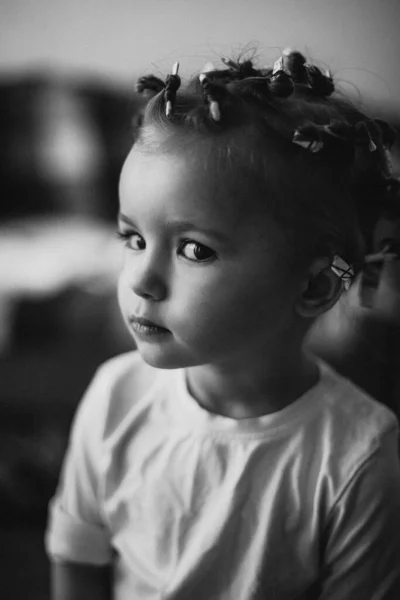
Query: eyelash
point(124, 237)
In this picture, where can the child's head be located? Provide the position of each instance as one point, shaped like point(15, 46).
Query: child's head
point(238, 195)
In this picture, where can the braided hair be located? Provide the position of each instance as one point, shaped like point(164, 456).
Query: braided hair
point(322, 164)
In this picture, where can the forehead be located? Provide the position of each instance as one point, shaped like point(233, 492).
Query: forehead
point(181, 185)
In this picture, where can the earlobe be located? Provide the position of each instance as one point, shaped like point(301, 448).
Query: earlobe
point(319, 294)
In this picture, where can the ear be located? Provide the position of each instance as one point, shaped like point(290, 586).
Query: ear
point(320, 291)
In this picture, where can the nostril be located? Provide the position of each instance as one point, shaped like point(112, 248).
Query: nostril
point(149, 288)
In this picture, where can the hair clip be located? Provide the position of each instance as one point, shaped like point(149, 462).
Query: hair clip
point(278, 66)
point(387, 162)
point(172, 85)
point(363, 128)
point(343, 270)
point(383, 256)
point(313, 146)
point(214, 106)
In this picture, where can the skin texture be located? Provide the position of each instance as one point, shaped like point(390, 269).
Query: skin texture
point(233, 317)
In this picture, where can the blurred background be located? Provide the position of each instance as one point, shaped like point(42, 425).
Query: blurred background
point(67, 73)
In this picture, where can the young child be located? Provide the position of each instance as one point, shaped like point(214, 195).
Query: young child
point(220, 460)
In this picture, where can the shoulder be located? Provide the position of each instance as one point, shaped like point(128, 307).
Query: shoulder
point(344, 429)
point(344, 438)
point(353, 427)
point(116, 386)
point(126, 370)
point(352, 408)
point(120, 369)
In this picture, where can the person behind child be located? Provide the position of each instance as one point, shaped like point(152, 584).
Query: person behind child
point(221, 460)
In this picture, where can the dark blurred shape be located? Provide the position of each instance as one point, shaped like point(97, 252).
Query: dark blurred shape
point(63, 143)
point(364, 343)
point(62, 147)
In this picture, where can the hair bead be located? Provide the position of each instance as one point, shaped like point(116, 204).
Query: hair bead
point(173, 83)
point(306, 76)
point(294, 64)
point(320, 84)
point(281, 84)
point(214, 106)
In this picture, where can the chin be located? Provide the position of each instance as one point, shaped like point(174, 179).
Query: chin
point(160, 359)
point(163, 358)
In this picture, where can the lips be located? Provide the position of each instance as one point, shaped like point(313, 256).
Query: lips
point(144, 326)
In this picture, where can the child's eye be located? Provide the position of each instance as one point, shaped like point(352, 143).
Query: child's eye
point(196, 252)
point(131, 240)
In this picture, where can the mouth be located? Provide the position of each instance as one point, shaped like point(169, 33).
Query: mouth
point(146, 327)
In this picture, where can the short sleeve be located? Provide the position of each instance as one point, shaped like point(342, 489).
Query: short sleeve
point(362, 550)
point(76, 530)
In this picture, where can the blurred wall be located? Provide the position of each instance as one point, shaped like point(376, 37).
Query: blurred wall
point(358, 39)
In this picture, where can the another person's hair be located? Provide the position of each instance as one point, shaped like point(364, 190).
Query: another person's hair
point(322, 165)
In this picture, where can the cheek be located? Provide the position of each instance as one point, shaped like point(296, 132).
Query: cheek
point(226, 303)
point(123, 292)
point(257, 301)
point(197, 304)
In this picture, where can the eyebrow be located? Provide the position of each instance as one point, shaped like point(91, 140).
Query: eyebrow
point(181, 226)
point(124, 219)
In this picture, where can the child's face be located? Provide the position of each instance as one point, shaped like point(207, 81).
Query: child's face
point(206, 267)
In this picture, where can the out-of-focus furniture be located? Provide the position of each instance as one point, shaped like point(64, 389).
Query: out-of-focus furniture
point(62, 147)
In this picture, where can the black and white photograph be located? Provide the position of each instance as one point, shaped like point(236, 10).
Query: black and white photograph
point(199, 300)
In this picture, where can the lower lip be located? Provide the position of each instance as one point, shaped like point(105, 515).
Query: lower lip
point(148, 330)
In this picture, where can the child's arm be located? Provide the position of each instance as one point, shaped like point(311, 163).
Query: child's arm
point(71, 581)
point(77, 539)
point(362, 546)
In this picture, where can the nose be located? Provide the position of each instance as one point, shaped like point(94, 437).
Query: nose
point(148, 278)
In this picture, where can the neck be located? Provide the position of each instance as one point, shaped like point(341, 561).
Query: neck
point(261, 387)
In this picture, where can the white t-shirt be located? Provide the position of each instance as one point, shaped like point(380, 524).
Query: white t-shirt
point(188, 504)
